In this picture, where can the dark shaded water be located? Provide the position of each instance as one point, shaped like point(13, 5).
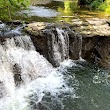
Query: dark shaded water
point(91, 90)
point(87, 88)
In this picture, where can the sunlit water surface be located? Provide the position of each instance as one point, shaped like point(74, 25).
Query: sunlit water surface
point(51, 11)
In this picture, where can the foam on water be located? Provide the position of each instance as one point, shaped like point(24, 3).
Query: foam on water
point(53, 83)
point(31, 63)
point(20, 63)
point(26, 76)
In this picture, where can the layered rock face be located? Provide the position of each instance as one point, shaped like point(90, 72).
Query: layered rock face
point(96, 39)
point(50, 40)
point(38, 37)
point(88, 38)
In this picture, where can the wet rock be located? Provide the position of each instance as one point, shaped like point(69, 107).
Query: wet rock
point(90, 27)
point(38, 37)
point(96, 39)
point(10, 29)
point(88, 38)
point(75, 45)
point(46, 40)
point(88, 45)
point(102, 52)
point(17, 74)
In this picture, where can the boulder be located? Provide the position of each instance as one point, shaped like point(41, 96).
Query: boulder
point(8, 31)
point(38, 37)
point(89, 38)
point(41, 35)
point(95, 34)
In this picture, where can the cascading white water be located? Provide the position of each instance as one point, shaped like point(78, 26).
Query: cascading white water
point(25, 73)
point(64, 41)
point(19, 61)
point(80, 50)
point(59, 45)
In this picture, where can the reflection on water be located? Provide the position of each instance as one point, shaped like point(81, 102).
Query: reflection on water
point(94, 88)
point(40, 11)
point(52, 10)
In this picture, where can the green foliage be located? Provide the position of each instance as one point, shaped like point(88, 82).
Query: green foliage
point(9, 7)
point(95, 4)
point(102, 5)
point(70, 5)
point(14, 3)
point(105, 5)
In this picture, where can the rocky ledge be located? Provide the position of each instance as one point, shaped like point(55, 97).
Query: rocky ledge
point(92, 27)
point(88, 38)
point(96, 39)
point(42, 33)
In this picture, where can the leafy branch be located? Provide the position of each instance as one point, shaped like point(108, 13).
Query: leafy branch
point(13, 4)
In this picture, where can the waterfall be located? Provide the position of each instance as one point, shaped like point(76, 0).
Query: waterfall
point(20, 63)
point(58, 42)
point(26, 76)
point(80, 50)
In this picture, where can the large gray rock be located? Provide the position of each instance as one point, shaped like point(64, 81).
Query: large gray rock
point(90, 27)
point(88, 38)
point(41, 34)
point(44, 37)
point(38, 37)
point(96, 39)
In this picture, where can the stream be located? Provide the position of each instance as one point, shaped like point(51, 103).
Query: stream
point(50, 11)
point(28, 81)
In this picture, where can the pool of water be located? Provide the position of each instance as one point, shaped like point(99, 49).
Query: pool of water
point(50, 11)
point(76, 85)
point(93, 89)
point(90, 90)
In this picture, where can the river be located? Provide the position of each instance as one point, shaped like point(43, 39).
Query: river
point(29, 82)
point(50, 11)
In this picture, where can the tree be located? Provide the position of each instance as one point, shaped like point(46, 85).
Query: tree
point(91, 3)
point(8, 5)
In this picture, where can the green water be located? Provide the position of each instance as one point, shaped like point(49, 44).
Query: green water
point(90, 85)
point(49, 11)
point(91, 89)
